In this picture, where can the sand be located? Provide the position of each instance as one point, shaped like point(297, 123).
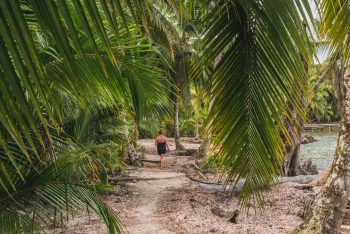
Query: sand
point(169, 202)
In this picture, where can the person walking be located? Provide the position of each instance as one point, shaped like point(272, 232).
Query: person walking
point(162, 145)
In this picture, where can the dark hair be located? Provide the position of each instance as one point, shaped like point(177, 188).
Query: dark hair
point(161, 131)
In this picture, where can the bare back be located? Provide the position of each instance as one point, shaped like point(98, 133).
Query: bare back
point(161, 139)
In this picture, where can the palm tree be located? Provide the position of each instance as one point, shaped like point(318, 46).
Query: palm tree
point(324, 92)
point(52, 50)
point(313, 99)
point(257, 83)
point(173, 25)
point(198, 104)
point(139, 103)
point(261, 70)
point(327, 215)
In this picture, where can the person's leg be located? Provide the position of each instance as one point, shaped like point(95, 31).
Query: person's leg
point(162, 160)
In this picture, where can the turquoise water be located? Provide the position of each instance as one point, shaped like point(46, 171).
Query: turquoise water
point(322, 151)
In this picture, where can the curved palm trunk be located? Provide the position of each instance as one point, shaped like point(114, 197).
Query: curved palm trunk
point(291, 168)
point(292, 157)
point(328, 213)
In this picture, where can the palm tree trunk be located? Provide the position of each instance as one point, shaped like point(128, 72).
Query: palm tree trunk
point(134, 157)
point(328, 213)
point(292, 157)
point(135, 131)
point(178, 143)
point(291, 168)
point(203, 148)
point(197, 129)
point(179, 77)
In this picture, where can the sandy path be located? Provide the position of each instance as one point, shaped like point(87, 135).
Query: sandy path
point(146, 212)
point(149, 193)
point(171, 203)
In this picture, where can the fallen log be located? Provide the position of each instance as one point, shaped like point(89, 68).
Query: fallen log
point(303, 179)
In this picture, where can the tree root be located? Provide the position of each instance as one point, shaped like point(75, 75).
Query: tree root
point(201, 181)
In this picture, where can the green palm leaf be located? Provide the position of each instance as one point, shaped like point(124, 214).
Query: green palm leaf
point(42, 200)
point(52, 51)
point(335, 27)
point(261, 44)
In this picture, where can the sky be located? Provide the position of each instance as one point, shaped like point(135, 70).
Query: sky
point(321, 53)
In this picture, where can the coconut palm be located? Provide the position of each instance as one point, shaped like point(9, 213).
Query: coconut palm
point(327, 215)
point(174, 25)
point(62, 180)
point(256, 84)
point(198, 104)
point(261, 70)
point(55, 50)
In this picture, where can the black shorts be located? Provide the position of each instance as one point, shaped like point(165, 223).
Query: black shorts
point(161, 148)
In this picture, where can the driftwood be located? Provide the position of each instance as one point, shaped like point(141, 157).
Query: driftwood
point(305, 179)
point(319, 181)
point(221, 212)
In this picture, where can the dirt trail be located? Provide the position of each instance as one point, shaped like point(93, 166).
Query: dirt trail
point(169, 202)
point(150, 193)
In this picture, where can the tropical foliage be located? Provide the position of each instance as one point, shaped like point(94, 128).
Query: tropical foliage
point(260, 71)
point(323, 106)
point(68, 69)
point(76, 75)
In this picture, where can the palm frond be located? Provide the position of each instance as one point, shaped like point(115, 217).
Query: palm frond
point(52, 51)
point(335, 26)
point(56, 190)
point(262, 44)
